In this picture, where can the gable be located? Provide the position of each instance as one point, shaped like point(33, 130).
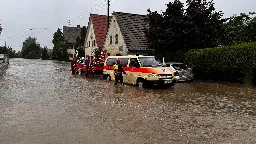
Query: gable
point(90, 36)
point(111, 45)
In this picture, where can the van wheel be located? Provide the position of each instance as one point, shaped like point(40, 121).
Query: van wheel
point(108, 77)
point(141, 83)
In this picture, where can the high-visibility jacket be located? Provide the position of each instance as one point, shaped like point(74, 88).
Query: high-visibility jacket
point(118, 70)
point(115, 67)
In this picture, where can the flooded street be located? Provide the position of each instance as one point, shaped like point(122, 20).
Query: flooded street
point(42, 103)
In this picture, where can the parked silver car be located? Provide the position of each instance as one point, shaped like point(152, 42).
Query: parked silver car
point(185, 73)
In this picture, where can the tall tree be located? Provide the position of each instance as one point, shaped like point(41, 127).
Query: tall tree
point(174, 25)
point(83, 35)
point(60, 47)
point(31, 49)
point(154, 33)
point(80, 42)
point(239, 28)
point(45, 55)
point(251, 30)
point(177, 29)
point(3, 50)
point(204, 24)
point(79, 47)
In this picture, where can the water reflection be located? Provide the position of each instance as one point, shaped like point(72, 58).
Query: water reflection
point(41, 102)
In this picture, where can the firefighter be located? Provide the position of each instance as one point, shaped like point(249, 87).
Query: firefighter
point(73, 64)
point(118, 71)
point(92, 66)
point(87, 65)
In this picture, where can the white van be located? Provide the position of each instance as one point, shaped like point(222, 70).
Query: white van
point(141, 70)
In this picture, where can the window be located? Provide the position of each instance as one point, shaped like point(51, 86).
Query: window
point(120, 48)
point(134, 62)
point(123, 61)
point(89, 43)
point(110, 40)
point(94, 43)
point(111, 61)
point(148, 62)
point(179, 66)
point(116, 39)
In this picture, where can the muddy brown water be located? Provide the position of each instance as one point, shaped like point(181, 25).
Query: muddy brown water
point(42, 103)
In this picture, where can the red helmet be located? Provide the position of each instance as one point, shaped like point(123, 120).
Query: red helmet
point(118, 61)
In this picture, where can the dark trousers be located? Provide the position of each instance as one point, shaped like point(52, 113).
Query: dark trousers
point(117, 78)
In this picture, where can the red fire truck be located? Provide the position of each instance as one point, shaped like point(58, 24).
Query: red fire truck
point(95, 65)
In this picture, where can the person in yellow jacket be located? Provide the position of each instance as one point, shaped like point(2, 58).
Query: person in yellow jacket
point(118, 72)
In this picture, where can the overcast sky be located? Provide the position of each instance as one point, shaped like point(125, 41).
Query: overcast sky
point(17, 16)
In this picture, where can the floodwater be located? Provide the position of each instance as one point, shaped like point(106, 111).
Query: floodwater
point(42, 103)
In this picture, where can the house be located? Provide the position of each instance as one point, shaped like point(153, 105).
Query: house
point(96, 33)
point(126, 34)
point(70, 35)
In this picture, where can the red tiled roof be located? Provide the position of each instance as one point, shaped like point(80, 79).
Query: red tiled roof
point(100, 28)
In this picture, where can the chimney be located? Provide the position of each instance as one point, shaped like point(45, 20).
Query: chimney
point(78, 26)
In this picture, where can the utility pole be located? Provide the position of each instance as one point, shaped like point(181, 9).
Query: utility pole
point(108, 13)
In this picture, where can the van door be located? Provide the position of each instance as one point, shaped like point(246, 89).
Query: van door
point(108, 70)
point(132, 75)
point(124, 63)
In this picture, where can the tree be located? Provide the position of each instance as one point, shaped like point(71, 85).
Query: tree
point(155, 34)
point(45, 55)
point(177, 30)
point(239, 28)
point(98, 52)
point(204, 24)
point(3, 50)
point(175, 24)
point(18, 54)
point(251, 30)
point(31, 49)
point(83, 35)
point(11, 52)
point(60, 47)
point(79, 48)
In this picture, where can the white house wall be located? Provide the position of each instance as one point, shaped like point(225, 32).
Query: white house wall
point(90, 37)
point(113, 48)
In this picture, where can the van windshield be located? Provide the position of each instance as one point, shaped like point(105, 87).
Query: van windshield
point(149, 62)
point(112, 61)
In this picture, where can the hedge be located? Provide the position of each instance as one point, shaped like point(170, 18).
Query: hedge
point(228, 63)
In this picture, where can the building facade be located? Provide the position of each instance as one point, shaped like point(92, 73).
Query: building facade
point(126, 34)
point(96, 33)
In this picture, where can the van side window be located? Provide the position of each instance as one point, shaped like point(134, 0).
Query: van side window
point(123, 62)
point(134, 62)
point(111, 61)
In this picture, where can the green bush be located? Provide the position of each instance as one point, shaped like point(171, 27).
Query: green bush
point(229, 63)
